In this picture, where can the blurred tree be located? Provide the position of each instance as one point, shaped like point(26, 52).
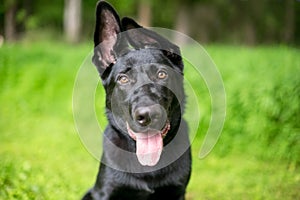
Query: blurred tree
point(182, 21)
point(10, 24)
point(15, 15)
point(235, 21)
point(72, 20)
point(145, 13)
point(289, 30)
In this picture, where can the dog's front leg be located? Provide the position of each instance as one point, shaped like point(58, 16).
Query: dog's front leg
point(99, 193)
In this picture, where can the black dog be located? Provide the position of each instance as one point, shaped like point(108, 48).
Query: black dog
point(146, 149)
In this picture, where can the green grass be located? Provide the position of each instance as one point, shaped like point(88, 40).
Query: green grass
point(257, 156)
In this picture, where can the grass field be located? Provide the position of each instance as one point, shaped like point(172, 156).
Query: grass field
point(257, 156)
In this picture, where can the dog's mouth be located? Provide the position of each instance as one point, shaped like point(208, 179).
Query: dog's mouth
point(149, 144)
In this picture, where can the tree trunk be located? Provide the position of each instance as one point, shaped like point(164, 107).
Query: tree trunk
point(289, 29)
point(72, 20)
point(249, 33)
point(182, 25)
point(144, 13)
point(10, 31)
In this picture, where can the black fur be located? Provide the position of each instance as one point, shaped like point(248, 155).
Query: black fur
point(139, 54)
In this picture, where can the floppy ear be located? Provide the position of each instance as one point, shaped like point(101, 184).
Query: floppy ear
point(106, 38)
point(140, 38)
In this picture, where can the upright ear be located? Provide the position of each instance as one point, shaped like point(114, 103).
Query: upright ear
point(140, 38)
point(106, 38)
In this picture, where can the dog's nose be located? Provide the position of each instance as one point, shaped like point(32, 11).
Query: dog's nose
point(146, 115)
point(142, 116)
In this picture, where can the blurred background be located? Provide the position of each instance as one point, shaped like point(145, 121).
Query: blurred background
point(254, 44)
point(231, 21)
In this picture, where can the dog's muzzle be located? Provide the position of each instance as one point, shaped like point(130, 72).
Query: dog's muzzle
point(153, 126)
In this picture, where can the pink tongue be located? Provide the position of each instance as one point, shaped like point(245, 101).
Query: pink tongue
point(149, 147)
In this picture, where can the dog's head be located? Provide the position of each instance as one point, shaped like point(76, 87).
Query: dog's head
point(142, 75)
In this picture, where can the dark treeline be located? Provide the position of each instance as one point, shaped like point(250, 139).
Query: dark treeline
point(231, 21)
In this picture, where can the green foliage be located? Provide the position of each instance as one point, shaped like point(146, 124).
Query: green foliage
point(262, 86)
point(250, 22)
point(38, 138)
point(257, 156)
point(48, 14)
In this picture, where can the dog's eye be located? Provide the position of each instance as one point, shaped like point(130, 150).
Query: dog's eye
point(123, 79)
point(162, 74)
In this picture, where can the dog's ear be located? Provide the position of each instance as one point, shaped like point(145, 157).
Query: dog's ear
point(140, 38)
point(106, 38)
